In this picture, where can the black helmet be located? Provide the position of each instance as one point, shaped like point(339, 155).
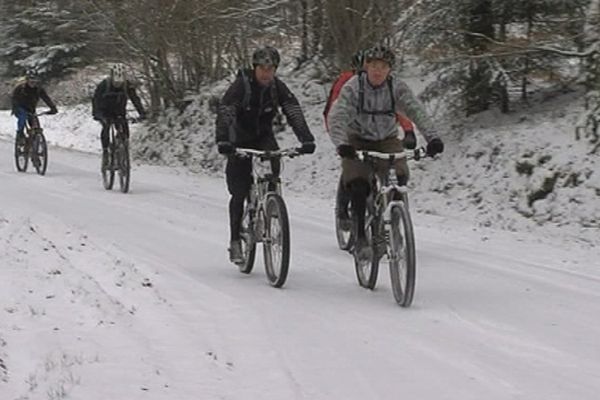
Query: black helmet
point(266, 56)
point(358, 60)
point(380, 52)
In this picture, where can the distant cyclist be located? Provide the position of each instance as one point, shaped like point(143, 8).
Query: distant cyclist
point(25, 98)
point(110, 102)
point(245, 119)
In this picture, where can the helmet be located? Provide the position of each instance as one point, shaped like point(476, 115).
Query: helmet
point(380, 52)
point(32, 76)
point(266, 56)
point(358, 59)
point(118, 76)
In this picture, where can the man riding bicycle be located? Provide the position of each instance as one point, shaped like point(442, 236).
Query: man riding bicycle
point(110, 102)
point(364, 118)
point(25, 98)
point(245, 119)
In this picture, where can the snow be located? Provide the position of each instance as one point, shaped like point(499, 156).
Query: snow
point(105, 295)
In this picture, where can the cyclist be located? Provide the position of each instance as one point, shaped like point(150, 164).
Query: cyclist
point(245, 119)
point(364, 118)
point(110, 102)
point(25, 98)
point(357, 63)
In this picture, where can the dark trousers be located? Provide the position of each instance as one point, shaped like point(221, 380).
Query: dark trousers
point(238, 174)
point(105, 133)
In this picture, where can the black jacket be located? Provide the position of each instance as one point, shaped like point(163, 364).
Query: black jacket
point(27, 97)
point(110, 102)
point(251, 123)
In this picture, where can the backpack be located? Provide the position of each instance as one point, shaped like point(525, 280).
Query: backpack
point(334, 93)
point(336, 88)
point(361, 97)
point(248, 91)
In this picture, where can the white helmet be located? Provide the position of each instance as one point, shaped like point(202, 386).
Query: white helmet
point(118, 76)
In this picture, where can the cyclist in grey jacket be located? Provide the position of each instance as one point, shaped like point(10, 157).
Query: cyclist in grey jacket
point(364, 118)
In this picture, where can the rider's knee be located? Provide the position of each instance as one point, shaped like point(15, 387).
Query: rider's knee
point(358, 187)
point(402, 179)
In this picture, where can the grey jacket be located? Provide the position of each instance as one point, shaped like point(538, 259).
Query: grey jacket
point(345, 120)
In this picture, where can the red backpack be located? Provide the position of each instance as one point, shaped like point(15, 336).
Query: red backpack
point(336, 88)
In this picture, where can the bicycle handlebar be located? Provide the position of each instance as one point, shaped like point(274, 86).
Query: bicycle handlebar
point(268, 154)
point(47, 112)
point(416, 154)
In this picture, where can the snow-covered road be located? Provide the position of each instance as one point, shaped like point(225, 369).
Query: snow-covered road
point(112, 296)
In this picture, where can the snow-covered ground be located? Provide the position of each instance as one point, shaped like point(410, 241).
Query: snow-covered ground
point(112, 296)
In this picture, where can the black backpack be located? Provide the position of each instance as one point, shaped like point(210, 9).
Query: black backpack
point(248, 92)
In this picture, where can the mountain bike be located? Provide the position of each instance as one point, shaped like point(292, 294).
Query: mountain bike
point(344, 231)
point(388, 227)
point(118, 156)
point(265, 218)
point(32, 146)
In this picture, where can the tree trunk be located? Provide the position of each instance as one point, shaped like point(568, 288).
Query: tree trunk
point(478, 88)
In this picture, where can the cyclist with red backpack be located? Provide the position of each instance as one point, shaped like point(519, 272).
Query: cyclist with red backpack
point(409, 141)
point(364, 117)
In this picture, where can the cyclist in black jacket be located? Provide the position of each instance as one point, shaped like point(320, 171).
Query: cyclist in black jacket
point(25, 98)
point(245, 119)
point(110, 101)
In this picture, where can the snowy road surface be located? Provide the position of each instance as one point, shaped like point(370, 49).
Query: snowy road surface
point(112, 296)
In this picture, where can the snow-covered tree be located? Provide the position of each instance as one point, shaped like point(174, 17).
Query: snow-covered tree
point(482, 48)
point(46, 36)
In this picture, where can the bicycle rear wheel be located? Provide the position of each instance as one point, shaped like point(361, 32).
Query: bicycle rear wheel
point(108, 170)
point(39, 153)
point(248, 239)
point(124, 166)
point(367, 270)
point(21, 153)
point(276, 245)
point(343, 228)
point(402, 257)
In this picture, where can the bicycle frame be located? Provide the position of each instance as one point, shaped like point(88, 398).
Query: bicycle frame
point(262, 185)
point(267, 219)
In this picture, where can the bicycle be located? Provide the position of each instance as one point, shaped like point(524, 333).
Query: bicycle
point(265, 219)
point(343, 230)
point(118, 157)
point(32, 146)
point(388, 227)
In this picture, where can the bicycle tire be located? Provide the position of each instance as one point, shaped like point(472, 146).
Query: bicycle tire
point(247, 236)
point(402, 257)
point(345, 237)
point(21, 153)
point(39, 152)
point(366, 273)
point(108, 171)
point(124, 166)
point(276, 244)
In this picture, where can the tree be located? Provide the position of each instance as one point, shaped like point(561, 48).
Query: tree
point(45, 36)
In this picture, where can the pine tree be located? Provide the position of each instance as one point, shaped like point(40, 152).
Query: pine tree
point(45, 36)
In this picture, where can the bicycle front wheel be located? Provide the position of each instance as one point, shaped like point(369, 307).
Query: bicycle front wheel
point(276, 243)
point(343, 228)
point(402, 257)
point(248, 239)
point(367, 270)
point(124, 167)
point(39, 153)
point(108, 170)
point(21, 153)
